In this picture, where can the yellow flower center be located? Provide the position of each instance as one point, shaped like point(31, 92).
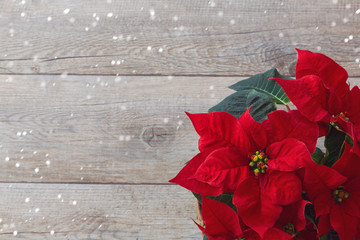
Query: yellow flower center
point(258, 163)
point(340, 194)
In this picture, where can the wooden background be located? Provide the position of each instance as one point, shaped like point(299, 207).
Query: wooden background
point(93, 94)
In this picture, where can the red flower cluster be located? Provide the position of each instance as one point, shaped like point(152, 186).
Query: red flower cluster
point(268, 167)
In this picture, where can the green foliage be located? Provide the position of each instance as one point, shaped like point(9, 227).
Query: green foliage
point(262, 83)
point(237, 103)
point(334, 143)
point(318, 156)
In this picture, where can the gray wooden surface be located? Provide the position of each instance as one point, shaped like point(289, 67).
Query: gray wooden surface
point(93, 94)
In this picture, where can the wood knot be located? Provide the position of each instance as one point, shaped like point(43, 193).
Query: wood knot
point(36, 69)
point(156, 136)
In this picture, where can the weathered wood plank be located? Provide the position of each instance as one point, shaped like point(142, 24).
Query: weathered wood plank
point(174, 37)
point(60, 211)
point(100, 129)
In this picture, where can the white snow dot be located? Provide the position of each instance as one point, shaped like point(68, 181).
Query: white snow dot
point(113, 62)
point(357, 11)
point(52, 232)
point(59, 196)
point(7, 159)
point(109, 15)
point(47, 162)
point(348, 6)
point(220, 13)
point(15, 233)
point(212, 3)
point(166, 120)
point(74, 203)
point(36, 170)
point(121, 138)
point(318, 48)
point(27, 200)
point(17, 165)
point(333, 23)
point(281, 35)
point(175, 18)
point(161, 50)
point(37, 209)
point(357, 60)
point(24, 133)
point(351, 37)
point(335, 1)
point(118, 62)
point(49, 18)
point(127, 138)
point(86, 29)
point(149, 48)
point(66, 11)
point(123, 107)
point(72, 20)
point(211, 87)
point(232, 22)
point(345, 20)
point(18, 134)
point(23, 14)
point(346, 40)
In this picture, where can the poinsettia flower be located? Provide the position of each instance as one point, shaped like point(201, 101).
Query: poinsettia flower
point(236, 151)
point(222, 223)
point(335, 193)
point(324, 96)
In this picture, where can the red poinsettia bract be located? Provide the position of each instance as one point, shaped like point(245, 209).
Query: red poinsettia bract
point(335, 193)
point(321, 93)
point(262, 164)
point(223, 223)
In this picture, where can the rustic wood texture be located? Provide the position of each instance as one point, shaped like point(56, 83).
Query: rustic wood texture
point(93, 94)
point(106, 212)
point(101, 129)
point(165, 37)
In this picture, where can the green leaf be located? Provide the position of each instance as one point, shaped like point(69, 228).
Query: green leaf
point(224, 198)
point(237, 103)
point(261, 83)
point(334, 142)
point(318, 156)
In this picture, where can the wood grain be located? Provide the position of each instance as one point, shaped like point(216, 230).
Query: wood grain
point(60, 211)
point(88, 129)
point(101, 129)
point(164, 37)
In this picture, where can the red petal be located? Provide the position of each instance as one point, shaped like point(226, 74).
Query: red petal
point(288, 155)
point(185, 177)
point(353, 105)
point(276, 234)
point(324, 225)
point(323, 203)
point(283, 188)
point(225, 168)
point(220, 219)
point(344, 224)
point(312, 100)
point(316, 175)
point(294, 213)
point(293, 124)
point(310, 63)
point(219, 129)
point(348, 164)
point(255, 211)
